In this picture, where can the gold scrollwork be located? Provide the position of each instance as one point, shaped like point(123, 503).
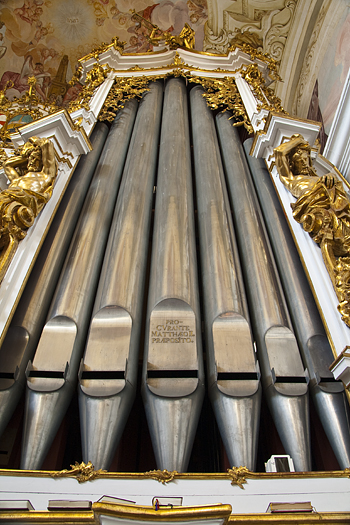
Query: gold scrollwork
point(268, 100)
point(163, 476)
point(238, 475)
point(323, 209)
point(219, 93)
point(223, 94)
point(94, 78)
point(81, 471)
point(255, 53)
point(98, 50)
point(186, 39)
point(32, 173)
point(123, 90)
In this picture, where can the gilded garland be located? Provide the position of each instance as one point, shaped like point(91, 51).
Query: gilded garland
point(323, 209)
point(220, 94)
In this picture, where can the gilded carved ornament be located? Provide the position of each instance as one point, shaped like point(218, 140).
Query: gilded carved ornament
point(163, 476)
point(32, 172)
point(238, 475)
point(117, 44)
point(323, 209)
point(220, 93)
point(186, 38)
point(94, 78)
point(267, 99)
point(80, 471)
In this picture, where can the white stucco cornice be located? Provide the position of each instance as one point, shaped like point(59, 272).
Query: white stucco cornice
point(124, 64)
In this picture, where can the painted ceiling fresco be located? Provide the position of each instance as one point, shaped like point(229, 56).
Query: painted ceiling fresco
point(45, 38)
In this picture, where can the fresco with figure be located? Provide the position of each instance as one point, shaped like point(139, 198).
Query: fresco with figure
point(45, 38)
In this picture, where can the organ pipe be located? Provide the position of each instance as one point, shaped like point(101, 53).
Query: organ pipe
point(53, 374)
point(233, 377)
point(283, 375)
point(22, 337)
point(328, 395)
point(108, 373)
point(173, 375)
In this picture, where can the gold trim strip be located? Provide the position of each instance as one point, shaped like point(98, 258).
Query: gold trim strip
point(132, 512)
point(296, 517)
point(191, 476)
point(45, 516)
point(63, 159)
point(73, 518)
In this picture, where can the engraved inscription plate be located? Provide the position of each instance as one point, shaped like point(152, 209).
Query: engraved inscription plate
point(172, 337)
point(172, 348)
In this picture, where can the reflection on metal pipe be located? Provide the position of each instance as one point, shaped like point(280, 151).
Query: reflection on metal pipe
point(25, 329)
point(109, 370)
point(53, 374)
point(282, 370)
point(328, 395)
point(233, 376)
point(173, 376)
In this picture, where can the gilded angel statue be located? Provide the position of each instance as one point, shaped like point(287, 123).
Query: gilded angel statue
point(32, 174)
point(323, 209)
point(185, 39)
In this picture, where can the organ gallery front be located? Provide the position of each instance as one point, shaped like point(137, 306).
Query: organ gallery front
point(173, 241)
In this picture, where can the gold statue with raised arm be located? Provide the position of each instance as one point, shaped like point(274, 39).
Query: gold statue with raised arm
point(323, 209)
point(32, 174)
point(185, 39)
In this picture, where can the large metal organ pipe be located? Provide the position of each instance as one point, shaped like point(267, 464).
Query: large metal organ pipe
point(106, 288)
point(327, 394)
point(52, 376)
point(25, 329)
point(108, 374)
point(173, 375)
point(233, 378)
point(283, 375)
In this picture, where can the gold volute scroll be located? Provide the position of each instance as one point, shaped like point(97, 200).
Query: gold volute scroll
point(323, 209)
point(32, 173)
point(81, 471)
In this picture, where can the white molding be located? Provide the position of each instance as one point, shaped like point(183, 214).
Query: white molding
point(337, 148)
point(326, 493)
point(341, 367)
point(280, 126)
point(158, 62)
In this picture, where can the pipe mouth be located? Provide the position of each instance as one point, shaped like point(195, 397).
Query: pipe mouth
point(172, 383)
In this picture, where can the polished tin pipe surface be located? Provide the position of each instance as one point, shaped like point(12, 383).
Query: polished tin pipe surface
point(24, 332)
point(282, 370)
point(328, 395)
point(53, 374)
point(233, 377)
point(173, 376)
point(108, 374)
